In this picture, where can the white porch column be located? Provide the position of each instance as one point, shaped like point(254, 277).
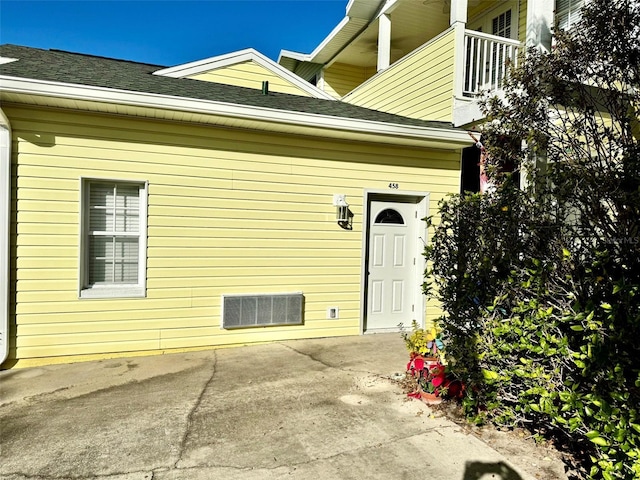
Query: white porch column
point(539, 23)
point(458, 20)
point(384, 41)
point(320, 79)
point(458, 12)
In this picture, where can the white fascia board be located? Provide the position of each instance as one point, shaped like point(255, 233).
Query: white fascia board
point(247, 55)
point(300, 57)
point(199, 66)
point(4, 60)
point(448, 137)
point(350, 5)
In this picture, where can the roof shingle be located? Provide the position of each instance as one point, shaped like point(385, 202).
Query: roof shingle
point(81, 69)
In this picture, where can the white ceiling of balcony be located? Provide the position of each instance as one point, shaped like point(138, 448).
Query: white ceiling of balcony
point(413, 22)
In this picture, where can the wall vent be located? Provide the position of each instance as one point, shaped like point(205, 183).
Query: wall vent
point(242, 311)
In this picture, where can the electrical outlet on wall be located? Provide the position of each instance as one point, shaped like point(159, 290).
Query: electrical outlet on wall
point(333, 313)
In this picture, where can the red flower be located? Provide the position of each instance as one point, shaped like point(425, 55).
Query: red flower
point(418, 363)
point(455, 389)
point(437, 381)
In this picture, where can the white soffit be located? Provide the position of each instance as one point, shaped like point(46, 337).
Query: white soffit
point(234, 58)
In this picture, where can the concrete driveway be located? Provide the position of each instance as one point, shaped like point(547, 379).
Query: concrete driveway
point(321, 409)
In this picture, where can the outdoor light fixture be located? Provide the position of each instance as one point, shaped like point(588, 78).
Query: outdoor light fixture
point(342, 209)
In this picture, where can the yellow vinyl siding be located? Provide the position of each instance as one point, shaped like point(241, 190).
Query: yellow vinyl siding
point(418, 86)
point(249, 74)
point(522, 21)
point(228, 212)
point(340, 78)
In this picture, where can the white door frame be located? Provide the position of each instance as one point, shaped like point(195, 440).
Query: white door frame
point(422, 202)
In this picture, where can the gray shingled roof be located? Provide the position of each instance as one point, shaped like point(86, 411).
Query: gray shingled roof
point(80, 69)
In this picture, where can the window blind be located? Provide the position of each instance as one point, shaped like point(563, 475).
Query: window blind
point(568, 12)
point(114, 227)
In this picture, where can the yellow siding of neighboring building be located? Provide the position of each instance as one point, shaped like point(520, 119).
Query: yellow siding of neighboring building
point(228, 212)
point(251, 75)
point(340, 79)
point(418, 86)
point(522, 21)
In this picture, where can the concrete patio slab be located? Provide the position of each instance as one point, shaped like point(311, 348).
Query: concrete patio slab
point(325, 409)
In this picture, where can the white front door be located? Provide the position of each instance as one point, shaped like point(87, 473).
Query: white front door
point(392, 288)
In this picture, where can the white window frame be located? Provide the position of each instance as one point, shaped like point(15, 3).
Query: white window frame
point(510, 26)
point(572, 11)
point(85, 290)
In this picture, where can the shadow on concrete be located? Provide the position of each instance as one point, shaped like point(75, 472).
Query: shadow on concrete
point(497, 470)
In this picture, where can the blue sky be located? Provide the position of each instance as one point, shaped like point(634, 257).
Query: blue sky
point(169, 32)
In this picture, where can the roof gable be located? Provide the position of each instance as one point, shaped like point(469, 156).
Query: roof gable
point(245, 68)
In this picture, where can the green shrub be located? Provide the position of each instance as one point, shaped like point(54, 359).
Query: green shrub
point(540, 285)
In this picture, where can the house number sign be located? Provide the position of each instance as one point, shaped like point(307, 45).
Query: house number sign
point(393, 186)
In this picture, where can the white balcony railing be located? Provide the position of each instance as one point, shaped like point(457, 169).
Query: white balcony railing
point(485, 61)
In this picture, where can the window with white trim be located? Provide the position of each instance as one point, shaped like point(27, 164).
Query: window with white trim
point(501, 25)
point(500, 19)
point(113, 247)
point(568, 12)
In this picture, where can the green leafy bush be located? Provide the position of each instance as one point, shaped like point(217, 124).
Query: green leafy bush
point(540, 284)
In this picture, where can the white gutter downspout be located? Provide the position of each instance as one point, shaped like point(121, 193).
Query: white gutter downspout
point(5, 215)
